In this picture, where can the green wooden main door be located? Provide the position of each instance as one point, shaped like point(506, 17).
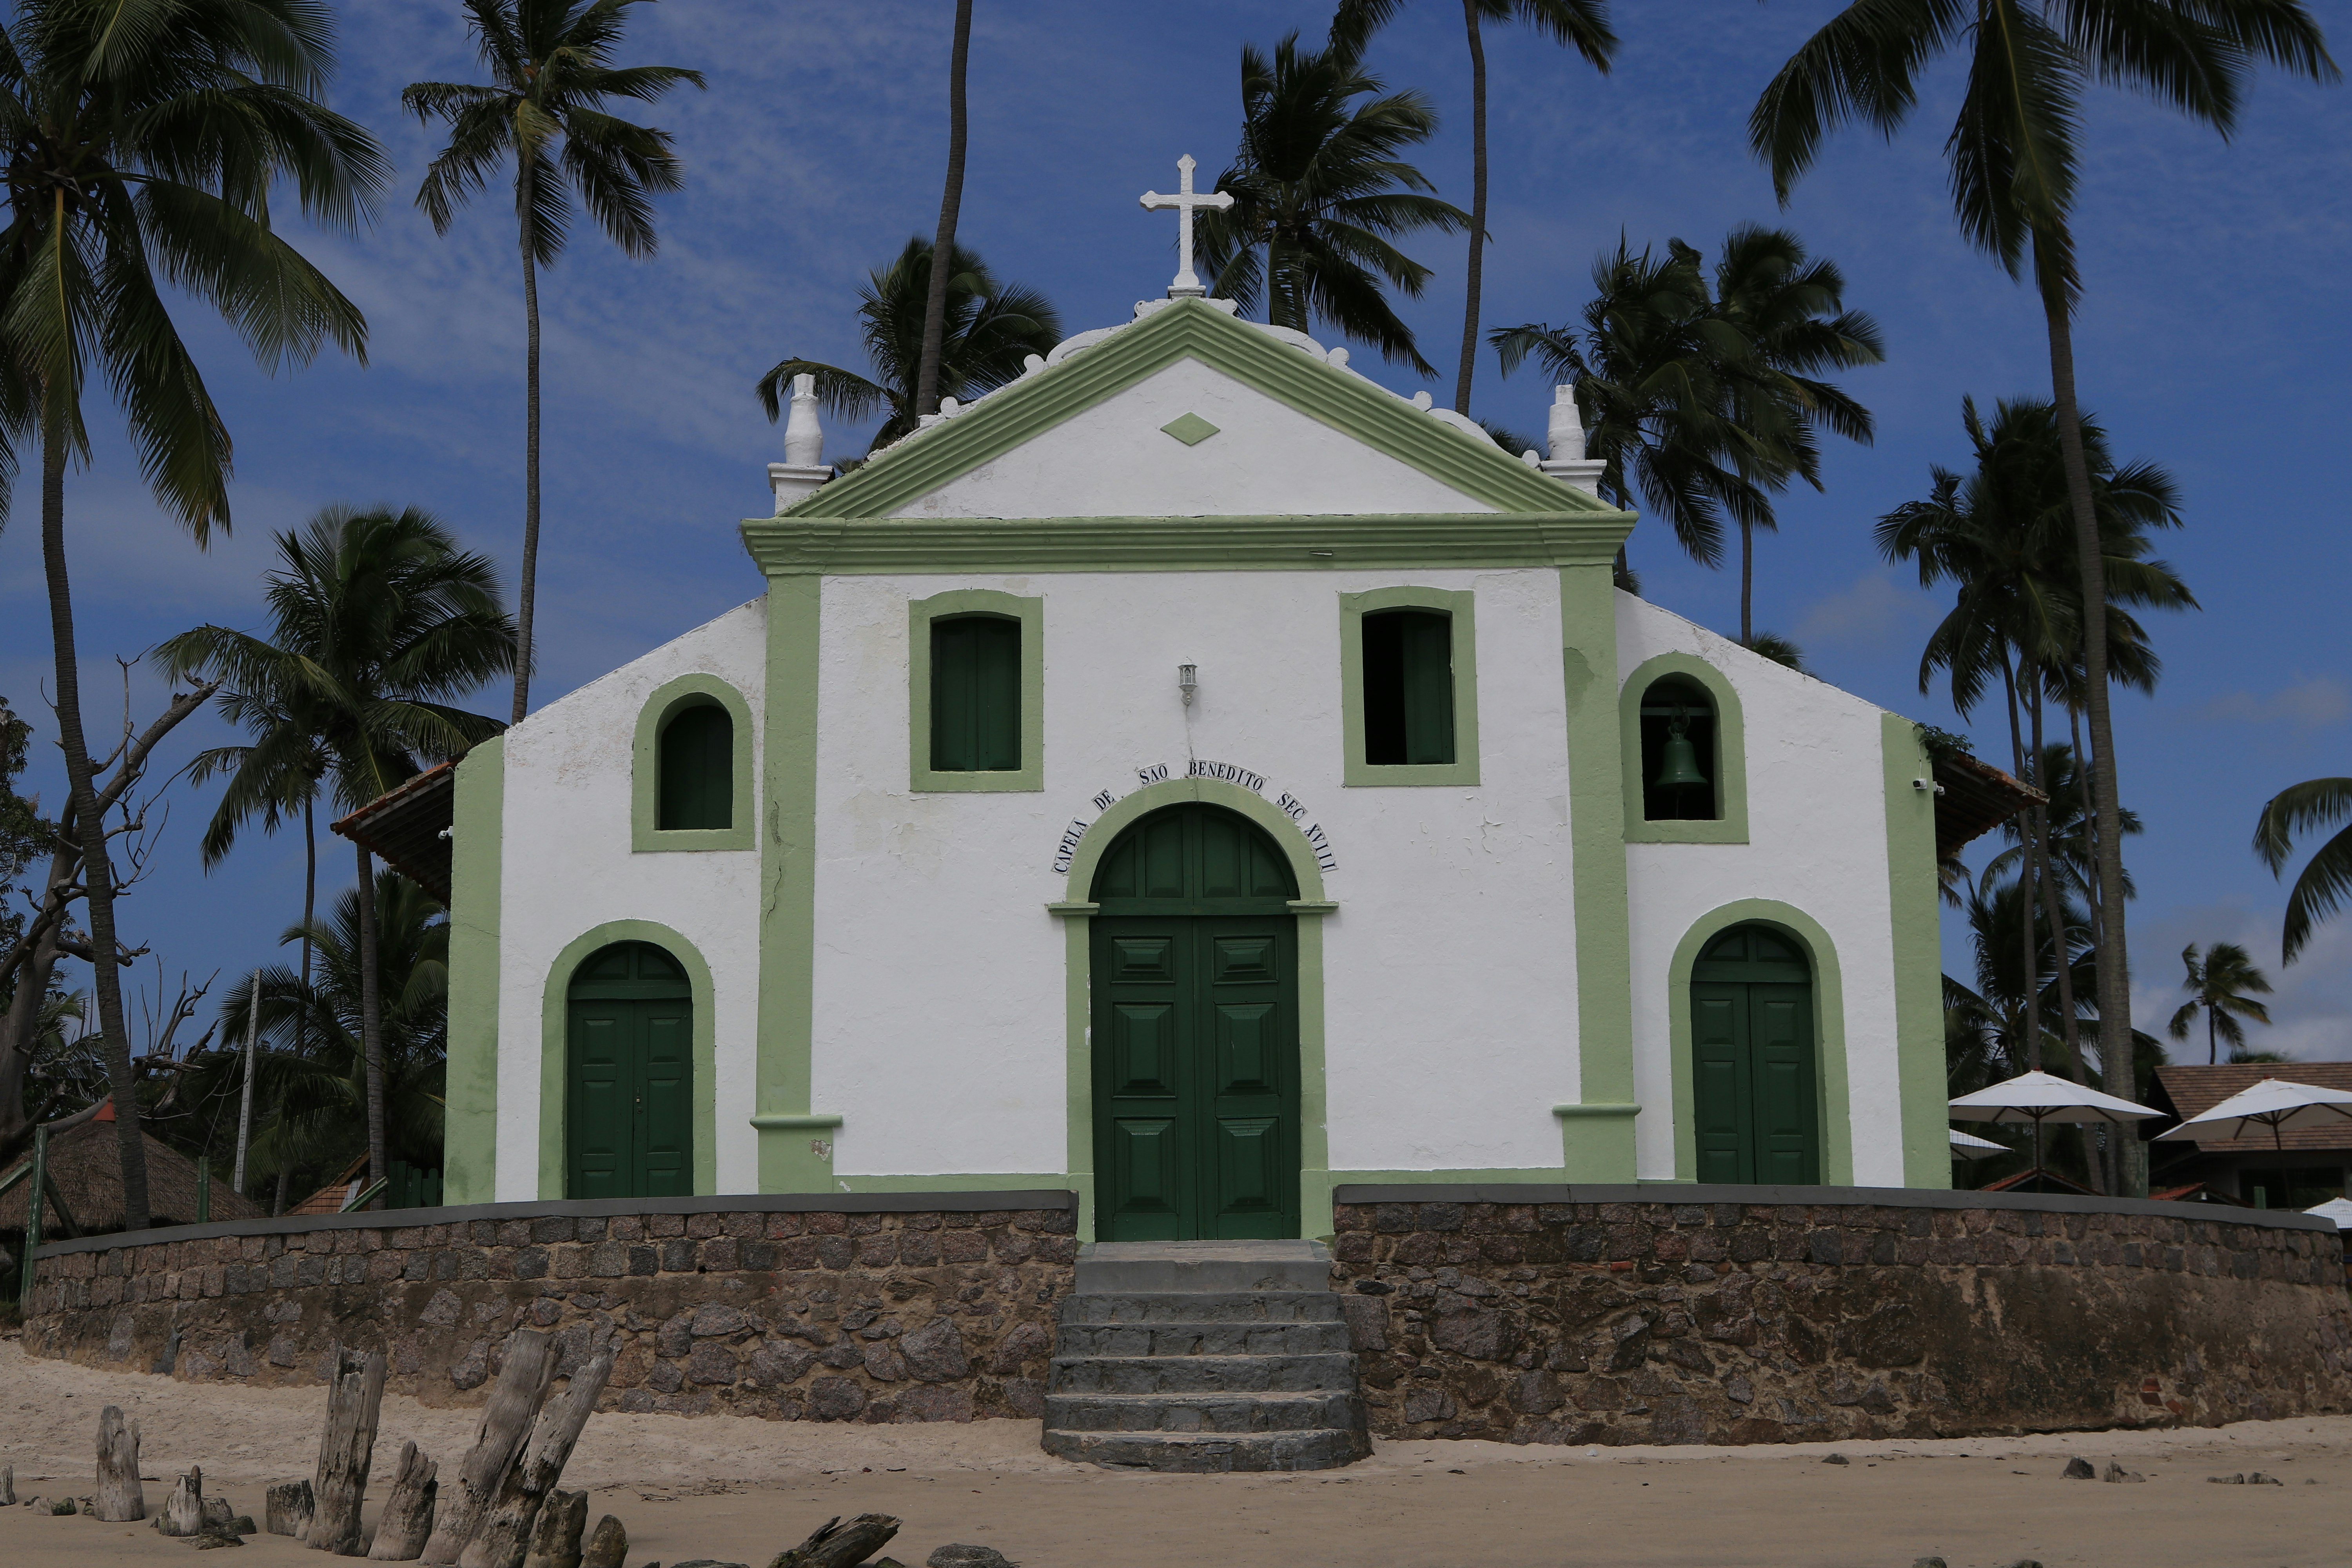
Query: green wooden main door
point(1195, 1012)
point(629, 1089)
point(1754, 1094)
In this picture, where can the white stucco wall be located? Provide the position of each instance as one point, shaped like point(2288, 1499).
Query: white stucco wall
point(1114, 460)
point(569, 868)
point(940, 1027)
point(1817, 840)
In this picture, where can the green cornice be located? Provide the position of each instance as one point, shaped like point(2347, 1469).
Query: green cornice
point(837, 546)
point(1190, 329)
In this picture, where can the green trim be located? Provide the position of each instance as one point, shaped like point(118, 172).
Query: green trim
point(1828, 1033)
point(645, 774)
point(554, 1045)
point(470, 1079)
point(958, 1182)
point(1598, 1148)
point(1195, 329)
point(1915, 910)
point(1077, 912)
point(1730, 825)
point(788, 1163)
point(793, 545)
point(794, 1123)
point(1460, 604)
point(1031, 613)
point(1189, 428)
point(1570, 1112)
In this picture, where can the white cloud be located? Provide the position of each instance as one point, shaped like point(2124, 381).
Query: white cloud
point(2314, 703)
point(2311, 1006)
point(1872, 609)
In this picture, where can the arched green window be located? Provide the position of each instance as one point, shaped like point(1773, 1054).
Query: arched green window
point(696, 787)
point(975, 694)
point(1682, 772)
point(1408, 688)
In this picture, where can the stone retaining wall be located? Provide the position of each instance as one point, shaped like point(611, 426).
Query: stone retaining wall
point(1718, 1320)
point(888, 1308)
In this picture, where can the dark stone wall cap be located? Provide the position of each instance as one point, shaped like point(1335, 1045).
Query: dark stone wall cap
point(1814, 1197)
point(586, 1208)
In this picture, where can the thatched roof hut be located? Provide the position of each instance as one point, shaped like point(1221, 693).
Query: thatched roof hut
point(86, 1165)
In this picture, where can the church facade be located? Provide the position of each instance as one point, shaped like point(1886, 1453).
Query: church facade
point(1195, 776)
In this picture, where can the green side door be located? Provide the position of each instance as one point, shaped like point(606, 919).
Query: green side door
point(629, 1089)
point(1754, 1096)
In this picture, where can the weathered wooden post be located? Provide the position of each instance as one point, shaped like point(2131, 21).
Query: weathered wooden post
point(354, 1399)
point(119, 1496)
point(8, 1486)
point(504, 1535)
point(40, 1180)
point(555, 1535)
point(507, 1420)
point(203, 1188)
point(407, 1520)
point(286, 1509)
point(839, 1545)
point(184, 1510)
point(608, 1547)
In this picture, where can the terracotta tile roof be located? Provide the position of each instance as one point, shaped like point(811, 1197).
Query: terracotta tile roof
point(331, 1198)
point(403, 827)
point(2191, 1089)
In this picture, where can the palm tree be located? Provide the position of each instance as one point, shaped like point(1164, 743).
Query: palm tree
point(2223, 985)
point(378, 621)
point(551, 73)
point(1319, 188)
point(2320, 891)
point(992, 328)
point(935, 296)
point(144, 140)
point(1705, 399)
point(1578, 25)
point(2013, 153)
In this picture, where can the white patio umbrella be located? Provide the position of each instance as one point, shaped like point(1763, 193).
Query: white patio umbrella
point(2039, 1097)
point(2337, 1209)
point(2275, 1103)
point(1969, 1146)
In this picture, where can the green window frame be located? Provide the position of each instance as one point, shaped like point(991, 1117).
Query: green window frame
point(1729, 824)
point(669, 702)
point(1422, 706)
point(1027, 687)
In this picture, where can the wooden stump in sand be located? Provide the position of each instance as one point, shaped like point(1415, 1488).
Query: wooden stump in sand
point(839, 1545)
point(184, 1510)
point(287, 1509)
point(608, 1547)
point(507, 1420)
point(504, 1535)
point(408, 1511)
point(555, 1535)
point(120, 1497)
point(354, 1400)
point(8, 1487)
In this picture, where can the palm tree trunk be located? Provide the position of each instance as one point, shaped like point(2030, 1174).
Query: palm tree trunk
point(934, 307)
point(2113, 958)
point(2212, 1041)
point(371, 1024)
point(1747, 584)
point(1474, 275)
point(2031, 994)
point(526, 592)
point(310, 903)
point(97, 867)
point(2052, 910)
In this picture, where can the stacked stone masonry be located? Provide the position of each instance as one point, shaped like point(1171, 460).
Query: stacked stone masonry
point(874, 1317)
point(1724, 1323)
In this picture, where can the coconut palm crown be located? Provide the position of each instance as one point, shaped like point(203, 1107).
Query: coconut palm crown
point(2223, 985)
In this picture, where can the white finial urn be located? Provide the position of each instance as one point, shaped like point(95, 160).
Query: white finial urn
point(803, 468)
point(1565, 437)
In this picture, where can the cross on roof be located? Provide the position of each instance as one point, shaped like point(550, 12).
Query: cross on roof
point(1186, 203)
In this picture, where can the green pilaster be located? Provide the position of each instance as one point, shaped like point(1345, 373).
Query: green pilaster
point(796, 1147)
point(1913, 912)
point(1596, 1136)
point(469, 1145)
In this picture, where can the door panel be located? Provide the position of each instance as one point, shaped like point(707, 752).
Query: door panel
point(1147, 1174)
point(1754, 1099)
point(598, 1100)
point(1720, 1083)
point(629, 1077)
point(1781, 1027)
point(666, 1101)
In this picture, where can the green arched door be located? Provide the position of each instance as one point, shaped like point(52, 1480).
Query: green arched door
point(1754, 1090)
point(1195, 1011)
point(628, 1106)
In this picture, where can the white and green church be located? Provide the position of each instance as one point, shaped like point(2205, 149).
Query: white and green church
point(1195, 776)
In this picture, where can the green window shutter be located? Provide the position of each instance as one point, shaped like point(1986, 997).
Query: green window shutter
point(697, 785)
point(976, 695)
point(1408, 688)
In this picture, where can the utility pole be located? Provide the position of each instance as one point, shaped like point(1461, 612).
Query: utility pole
point(245, 1110)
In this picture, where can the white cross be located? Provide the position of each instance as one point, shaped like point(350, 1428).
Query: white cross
point(1186, 203)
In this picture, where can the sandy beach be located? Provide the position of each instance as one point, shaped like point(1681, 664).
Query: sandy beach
point(741, 1490)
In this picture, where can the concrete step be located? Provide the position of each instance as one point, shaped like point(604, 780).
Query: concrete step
point(1166, 1307)
point(1320, 1336)
point(1205, 1374)
point(1188, 1453)
point(1299, 1412)
point(1108, 1266)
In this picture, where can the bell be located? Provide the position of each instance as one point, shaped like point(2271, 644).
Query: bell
point(1679, 765)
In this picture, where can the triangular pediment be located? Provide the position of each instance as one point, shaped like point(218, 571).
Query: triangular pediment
point(1188, 413)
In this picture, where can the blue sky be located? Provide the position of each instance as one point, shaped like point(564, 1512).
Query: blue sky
point(2214, 341)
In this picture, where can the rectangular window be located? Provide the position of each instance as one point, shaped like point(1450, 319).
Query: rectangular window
point(1408, 688)
point(976, 694)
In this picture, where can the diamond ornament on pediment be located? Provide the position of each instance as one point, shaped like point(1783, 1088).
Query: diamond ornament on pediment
point(1189, 429)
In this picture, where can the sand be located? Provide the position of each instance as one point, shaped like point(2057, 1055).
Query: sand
point(740, 1490)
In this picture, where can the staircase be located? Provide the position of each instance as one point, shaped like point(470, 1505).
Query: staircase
point(1204, 1355)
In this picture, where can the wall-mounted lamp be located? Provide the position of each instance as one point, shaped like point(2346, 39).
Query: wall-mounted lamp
point(1187, 679)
